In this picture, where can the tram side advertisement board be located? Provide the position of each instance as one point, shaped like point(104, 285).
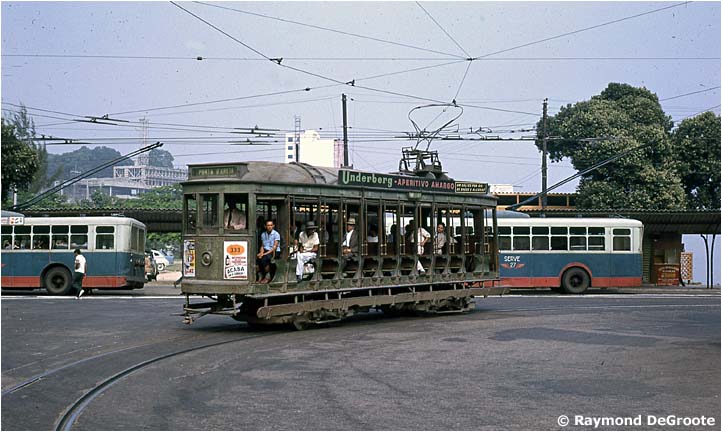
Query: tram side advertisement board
point(189, 258)
point(235, 260)
point(389, 181)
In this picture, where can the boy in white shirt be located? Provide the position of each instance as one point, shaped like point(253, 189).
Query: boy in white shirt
point(80, 269)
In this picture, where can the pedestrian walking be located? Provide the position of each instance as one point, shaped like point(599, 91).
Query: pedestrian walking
point(81, 267)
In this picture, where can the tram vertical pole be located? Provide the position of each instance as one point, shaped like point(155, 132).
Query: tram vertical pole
point(544, 158)
point(345, 132)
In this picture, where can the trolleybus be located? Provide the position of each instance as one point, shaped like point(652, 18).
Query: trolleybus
point(570, 254)
point(387, 269)
point(38, 252)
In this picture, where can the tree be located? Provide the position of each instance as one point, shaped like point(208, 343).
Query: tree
point(164, 197)
point(19, 161)
point(160, 158)
point(697, 142)
point(631, 117)
point(70, 164)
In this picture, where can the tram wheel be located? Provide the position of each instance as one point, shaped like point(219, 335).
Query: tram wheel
point(58, 281)
point(575, 281)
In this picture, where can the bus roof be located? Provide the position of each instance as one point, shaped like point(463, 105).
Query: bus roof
point(78, 220)
point(569, 222)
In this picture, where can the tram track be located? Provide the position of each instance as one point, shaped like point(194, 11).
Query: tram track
point(69, 414)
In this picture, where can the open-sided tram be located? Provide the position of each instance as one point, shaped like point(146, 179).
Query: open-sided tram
point(422, 242)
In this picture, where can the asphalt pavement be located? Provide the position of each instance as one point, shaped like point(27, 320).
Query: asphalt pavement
point(516, 362)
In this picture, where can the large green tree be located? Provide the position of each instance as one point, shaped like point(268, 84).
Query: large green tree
point(160, 158)
point(697, 143)
point(70, 164)
point(19, 160)
point(628, 117)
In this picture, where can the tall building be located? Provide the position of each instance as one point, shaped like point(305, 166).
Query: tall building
point(313, 150)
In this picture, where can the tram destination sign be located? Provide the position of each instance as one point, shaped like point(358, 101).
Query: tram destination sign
point(214, 171)
point(388, 181)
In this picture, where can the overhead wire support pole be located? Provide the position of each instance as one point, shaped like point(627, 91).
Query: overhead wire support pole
point(81, 176)
point(544, 158)
point(345, 131)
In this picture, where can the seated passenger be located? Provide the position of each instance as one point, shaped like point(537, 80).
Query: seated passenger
point(441, 240)
point(373, 235)
point(307, 248)
point(233, 217)
point(350, 243)
point(270, 244)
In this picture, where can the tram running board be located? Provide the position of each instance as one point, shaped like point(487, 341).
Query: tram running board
point(270, 311)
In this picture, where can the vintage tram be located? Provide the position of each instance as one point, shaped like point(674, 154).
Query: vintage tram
point(391, 266)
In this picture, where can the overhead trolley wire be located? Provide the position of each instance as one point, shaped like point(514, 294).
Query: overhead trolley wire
point(688, 94)
point(204, 58)
point(443, 30)
point(581, 30)
point(328, 29)
point(351, 83)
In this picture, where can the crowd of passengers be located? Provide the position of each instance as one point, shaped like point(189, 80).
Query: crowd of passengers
point(307, 241)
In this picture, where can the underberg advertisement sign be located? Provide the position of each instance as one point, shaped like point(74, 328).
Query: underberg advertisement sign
point(388, 181)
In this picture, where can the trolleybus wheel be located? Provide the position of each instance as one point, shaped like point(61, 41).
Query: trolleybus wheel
point(575, 281)
point(58, 281)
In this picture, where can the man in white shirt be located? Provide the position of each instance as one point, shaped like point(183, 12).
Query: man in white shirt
point(307, 248)
point(421, 237)
point(80, 269)
point(233, 217)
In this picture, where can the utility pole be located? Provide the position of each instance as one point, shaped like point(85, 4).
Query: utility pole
point(345, 132)
point(544, 158)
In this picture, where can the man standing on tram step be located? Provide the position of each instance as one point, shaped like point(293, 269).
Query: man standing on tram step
point(307, 248)
point(420, 236)
point(80, 270)
point(270, 244)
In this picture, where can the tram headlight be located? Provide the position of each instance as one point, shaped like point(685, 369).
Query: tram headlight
point(206, 258)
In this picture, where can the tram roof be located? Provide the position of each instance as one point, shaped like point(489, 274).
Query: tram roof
point(264, 172)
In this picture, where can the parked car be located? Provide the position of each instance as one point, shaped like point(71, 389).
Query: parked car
point(161, 262)
point(151, 268)
point(168, 255)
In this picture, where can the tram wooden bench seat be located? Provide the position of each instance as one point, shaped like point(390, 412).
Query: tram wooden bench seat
point(370, 266)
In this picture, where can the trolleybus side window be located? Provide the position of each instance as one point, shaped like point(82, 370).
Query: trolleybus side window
point(578, 238)
point(235, 211)
point(596, 238)
point(504, 237)
point(41, 237)
point(59, 239)
point(191, 211)
point(209, 210)
point(104, 237)
point(22, 237)
point(78, 236)
point(7, 236)
point(559, 238)
point(539, 238)
point(622, 239)
point(521, 238)
point(141, 240)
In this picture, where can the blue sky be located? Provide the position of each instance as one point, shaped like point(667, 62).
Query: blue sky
point(129, 59)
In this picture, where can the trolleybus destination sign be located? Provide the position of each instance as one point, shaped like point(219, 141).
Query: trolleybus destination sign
point(388, 181)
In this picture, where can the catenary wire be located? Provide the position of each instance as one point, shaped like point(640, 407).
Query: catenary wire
point(328, 29)
point(443, 30)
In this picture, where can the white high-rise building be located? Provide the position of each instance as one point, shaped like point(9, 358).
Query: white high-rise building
point(313, 150)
